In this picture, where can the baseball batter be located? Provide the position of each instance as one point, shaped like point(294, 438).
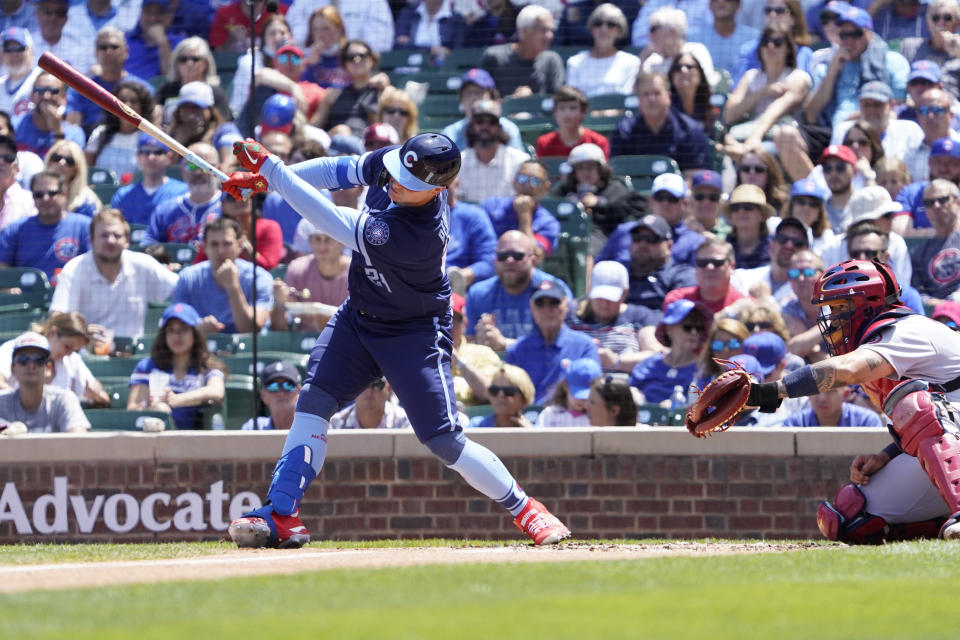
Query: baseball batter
point(396, 323)
point(910, 366)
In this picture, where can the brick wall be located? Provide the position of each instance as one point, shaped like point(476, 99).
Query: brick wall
point(603, 483)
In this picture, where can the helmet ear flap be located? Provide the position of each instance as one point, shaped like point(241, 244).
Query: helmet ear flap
point(384, 178)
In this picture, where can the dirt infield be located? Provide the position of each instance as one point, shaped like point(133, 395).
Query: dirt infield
point(261, 562)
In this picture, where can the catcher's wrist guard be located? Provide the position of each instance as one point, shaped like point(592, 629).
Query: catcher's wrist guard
point(764, 396)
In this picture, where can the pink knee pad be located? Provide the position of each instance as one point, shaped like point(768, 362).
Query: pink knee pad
point(845, 519)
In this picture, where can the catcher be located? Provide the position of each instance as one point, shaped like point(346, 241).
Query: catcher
point(910, 366)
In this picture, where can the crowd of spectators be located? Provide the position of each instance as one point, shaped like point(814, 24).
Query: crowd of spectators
point(797, 133)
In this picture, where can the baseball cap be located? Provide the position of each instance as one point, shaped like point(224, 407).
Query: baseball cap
point(609, 280)
point(344, 144)
point(281, 371)
point(549, 289)
point(947, 309)
point(31, 339)
point(163, 3)
point(841, 151)
point(656, 224)
point(586, 152)
point(835, 7)
point(145, 141)
point(870, 203)
point(485, 108)
point(925, 70)
point(458, 303)
point(750, 364)
point(675, 312)
point(945, 147)
point(671, 183)
point(277, 113)
point(856, 16)
point(182, 312)
point(806, 187)
point(290, 48)
point(768, 348)
point(196, 92)
point(19, 35)
point(479, 77)
point(796, 223)
point(876, 90)
point(707, 178)
point(580, 373)
point(380, 132)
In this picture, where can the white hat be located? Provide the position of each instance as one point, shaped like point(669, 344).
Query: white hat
point(671, 183)
point(586, 152)
point(870, 203)
point(198, 93)
point(609, 280)
point(31, 339)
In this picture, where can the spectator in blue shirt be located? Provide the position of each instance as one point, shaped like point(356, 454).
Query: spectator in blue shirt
point(726, 36)
point(499, 307)
point(49, 239)
point(138, 200)
point(473, 244)
point(42, 125)
point(220, 288)
point(541, 352)
point(445, 29)
point(523, 211)
point(475, 85)
point(151, 40)
point(180, 219)
point(828, 409)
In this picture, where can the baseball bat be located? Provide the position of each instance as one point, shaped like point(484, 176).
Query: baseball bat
point(109, 102)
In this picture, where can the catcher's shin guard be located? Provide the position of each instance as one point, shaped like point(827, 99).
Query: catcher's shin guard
point(291, 477)
point(846, 520)
point(929, 434)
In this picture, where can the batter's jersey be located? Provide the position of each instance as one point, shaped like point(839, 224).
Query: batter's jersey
point(919, 348)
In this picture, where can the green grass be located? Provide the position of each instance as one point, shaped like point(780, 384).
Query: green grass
point(899, 591)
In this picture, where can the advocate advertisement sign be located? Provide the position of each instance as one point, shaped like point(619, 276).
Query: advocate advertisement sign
point(59, 512)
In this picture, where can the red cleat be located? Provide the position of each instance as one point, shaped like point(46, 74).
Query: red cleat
point(540, 525)
point(254, 531)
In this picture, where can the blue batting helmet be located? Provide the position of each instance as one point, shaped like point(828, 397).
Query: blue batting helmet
point(424, 162)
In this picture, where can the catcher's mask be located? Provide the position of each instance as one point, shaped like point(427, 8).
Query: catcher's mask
point(850, 294)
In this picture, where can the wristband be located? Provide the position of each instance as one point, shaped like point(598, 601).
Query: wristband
point(765, 396)
point(800, 383)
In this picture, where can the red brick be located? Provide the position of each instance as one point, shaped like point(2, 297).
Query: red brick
point(411, 491)
point(618, 523)
point(444, 506)
point(411, 506)
point(334, 491)
point(759, 522)
point(681, 506)
point(749, 506)
point(670, 523)
point(378, 507)
point(568, 506)
point(647, 506)
point(669, 490)
point(716, 506)
point(779, 506)
point(610, 489)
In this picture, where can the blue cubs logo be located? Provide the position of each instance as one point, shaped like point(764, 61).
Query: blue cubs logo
point(945, 266)
point(66, 248)
point(377, 232)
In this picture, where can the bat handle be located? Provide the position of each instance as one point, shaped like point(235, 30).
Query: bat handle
point(245, 194)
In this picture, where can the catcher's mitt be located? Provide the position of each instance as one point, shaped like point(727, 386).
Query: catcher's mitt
point(719, 402)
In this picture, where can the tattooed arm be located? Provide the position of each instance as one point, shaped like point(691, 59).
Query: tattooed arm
point(856, 367)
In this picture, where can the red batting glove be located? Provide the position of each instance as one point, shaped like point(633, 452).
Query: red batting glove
point(241, 185)
point(250, 154)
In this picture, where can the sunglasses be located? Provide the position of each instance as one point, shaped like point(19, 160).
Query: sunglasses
point(806, 201)
point(396, 111)
point(716, 263)
point(640, 236)
point(662, 196)
point(533, 181)
point(827, 18)
point(712, 197)
point(927, 110)
point(59, 13)
point(759, 326)
point(720, 345)
point(13, 47)
point(507, 390)
point(930, 203)
point(753, 168)
point(107, 47)
point(53, 91)
point(291, 58)
point(183, 59)
point(152, 152)
point(860, 142)
point(808, 272)
point(775, 10)
point(546, 302)
point(25, 359)
point(516, 256)
point(378, 385)
point(693, 328)
point(864, 254)
point(851, 35)
point(609, 24)
point(941, 17)
point(777, 42)
point(950, 324)
point(485, 119)
point(275, 386)
point(743, 206)
point(40, 195)
point(68, 160)
point(686, 66)
point(834, 167)
point(9, 158)
point(784, 239)
point(356, 57)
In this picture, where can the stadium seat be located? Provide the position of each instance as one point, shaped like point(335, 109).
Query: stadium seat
point(557, 167)
point(35, 289)
point(642, 169)
point(438, 81)
point(20, 321)
point(228, 343)
point(529, 109)
point(107, 368)
point(409, 60)
point(99, 175)
point(463, 59)
point(137, 232)
point(179, 252)
point(572, 216)
point(238, 403)
point(569, 262)
point(123, 420)
point(226, 62)
point(287, 341)
point(242, 364)
point(652, 413)
point(443, 106)
point(119, 392)
point(105, 191)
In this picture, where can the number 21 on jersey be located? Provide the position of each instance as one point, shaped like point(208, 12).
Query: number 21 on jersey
point(377, 278)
